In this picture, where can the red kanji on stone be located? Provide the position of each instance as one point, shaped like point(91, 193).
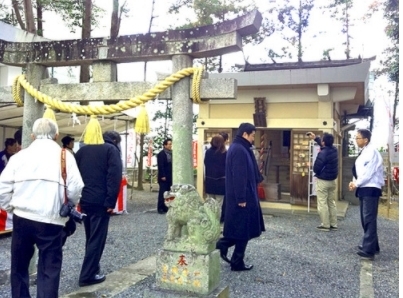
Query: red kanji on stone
point(182, 260)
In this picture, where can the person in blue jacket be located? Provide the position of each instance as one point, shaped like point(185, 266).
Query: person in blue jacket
point(243, 216)
point(100, 166)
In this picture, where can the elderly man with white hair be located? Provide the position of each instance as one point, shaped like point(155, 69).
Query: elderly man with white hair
point(32, 188)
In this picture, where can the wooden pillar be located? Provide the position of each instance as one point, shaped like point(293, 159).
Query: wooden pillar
point(182, 124)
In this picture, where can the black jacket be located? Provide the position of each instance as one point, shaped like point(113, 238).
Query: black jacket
point(326, 165)
point(164, 168)
point(215, 171)
point(101, 169)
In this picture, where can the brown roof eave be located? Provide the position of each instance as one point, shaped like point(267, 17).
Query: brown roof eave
point(305, 65)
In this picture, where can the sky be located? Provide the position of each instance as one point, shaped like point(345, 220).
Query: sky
point(368, 40)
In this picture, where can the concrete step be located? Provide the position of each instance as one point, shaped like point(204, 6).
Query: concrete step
point(118, 281)
point(272, 208)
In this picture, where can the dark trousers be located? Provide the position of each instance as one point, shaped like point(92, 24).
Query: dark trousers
point(96, 230)
point(48, 239)
point(239, 250)
point(164, 186)
point(369, 213)
point(222, 210)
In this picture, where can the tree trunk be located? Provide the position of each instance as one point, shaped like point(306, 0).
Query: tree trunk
point(86, 33)
point(29, 17)
point(115, 20)
point(300, 33)
point(152, 16)
point(140, 173)
point(18, 14)
point(347, 32)
point(39, 17)
point(395, 104)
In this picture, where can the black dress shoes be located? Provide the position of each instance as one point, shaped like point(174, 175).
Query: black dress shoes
point(223, 253)
point(242, 268)
point(98, 278)
point(224, 257)
point(364, 255)
point(359, 247)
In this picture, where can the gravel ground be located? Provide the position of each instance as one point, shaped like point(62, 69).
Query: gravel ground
point(292, 258)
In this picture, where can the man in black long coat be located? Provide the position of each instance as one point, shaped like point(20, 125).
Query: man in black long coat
point(164, 162)
point(243, 215)
point(101, 169)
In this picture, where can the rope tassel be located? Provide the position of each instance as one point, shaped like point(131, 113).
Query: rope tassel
point(93, 132)
point(49, 113)
point(142, 125)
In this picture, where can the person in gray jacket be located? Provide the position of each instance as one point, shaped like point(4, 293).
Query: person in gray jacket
point(32, 188)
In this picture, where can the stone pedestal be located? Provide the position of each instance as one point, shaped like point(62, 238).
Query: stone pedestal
point(189, 265)
point(188, 272)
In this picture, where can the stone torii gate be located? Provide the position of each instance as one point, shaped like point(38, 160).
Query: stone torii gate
point(180, 46)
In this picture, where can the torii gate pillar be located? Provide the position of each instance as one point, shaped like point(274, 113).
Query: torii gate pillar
point(182, 124)
point(33, 109)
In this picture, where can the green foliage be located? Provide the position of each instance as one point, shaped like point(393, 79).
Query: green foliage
point(266, 29)
point(292, 22)
point(178, 5)
point(209, 11)
point(165, 113)
point(163, 117)
point(72, 12)
point(391, 63)
point(340, 11)
point(6, 15)
point(214, 11)
point(326, 54)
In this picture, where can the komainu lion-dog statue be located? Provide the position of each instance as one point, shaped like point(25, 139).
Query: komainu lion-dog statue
point(193, 224)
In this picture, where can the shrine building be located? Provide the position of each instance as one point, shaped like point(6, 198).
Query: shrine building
point(284, 101)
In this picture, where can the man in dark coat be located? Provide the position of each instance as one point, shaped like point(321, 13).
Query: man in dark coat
point(243, 216)
point(326, 169)
point(164, 162)
point(101, 169)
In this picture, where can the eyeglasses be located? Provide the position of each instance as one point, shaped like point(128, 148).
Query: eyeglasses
point(360, 138)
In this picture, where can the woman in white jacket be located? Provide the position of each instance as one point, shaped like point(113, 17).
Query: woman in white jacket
point(32, 188)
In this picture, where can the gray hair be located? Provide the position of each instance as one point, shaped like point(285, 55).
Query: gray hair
point(45, 128)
